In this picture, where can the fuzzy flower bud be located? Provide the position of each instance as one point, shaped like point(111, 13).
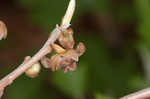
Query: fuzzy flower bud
point(33, 70)
point(3, 30)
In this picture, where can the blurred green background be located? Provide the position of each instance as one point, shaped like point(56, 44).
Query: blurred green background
point(116, 34)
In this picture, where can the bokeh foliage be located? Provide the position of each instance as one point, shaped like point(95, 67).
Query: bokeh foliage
point(102, 73)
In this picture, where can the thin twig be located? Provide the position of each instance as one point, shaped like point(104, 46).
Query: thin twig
point(69, 13)
point(142, 94)
point(46, 49)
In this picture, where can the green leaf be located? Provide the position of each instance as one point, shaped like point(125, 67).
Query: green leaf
point(72, 83)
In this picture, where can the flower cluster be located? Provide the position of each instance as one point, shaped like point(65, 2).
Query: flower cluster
point(65, 57)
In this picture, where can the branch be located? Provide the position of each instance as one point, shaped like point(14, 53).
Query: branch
point(142, 94)
point(46, 49)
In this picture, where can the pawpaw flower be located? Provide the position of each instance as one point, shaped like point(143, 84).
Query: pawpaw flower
point(68, 59)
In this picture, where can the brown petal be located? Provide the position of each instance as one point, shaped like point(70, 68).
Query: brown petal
point(65, 61)
point(56, 61)
point(73, 67)
point(53, 61)
point(80, 48)
point(72, 54)
point(57, 48)
point(66, 39)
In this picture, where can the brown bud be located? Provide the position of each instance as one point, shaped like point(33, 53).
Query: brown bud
point(66, 39)
point(80, 48)
point(3, 30)
point(33, 70)
point(57, 48)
